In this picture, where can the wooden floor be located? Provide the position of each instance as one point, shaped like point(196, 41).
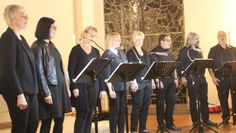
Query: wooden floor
point(182, 119)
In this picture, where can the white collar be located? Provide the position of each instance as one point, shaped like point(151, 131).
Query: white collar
point(114, 50)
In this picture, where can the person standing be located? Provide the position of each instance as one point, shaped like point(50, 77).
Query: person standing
point(53, 94)
point(18, 73)
point(195, 81)
point(141, 95)
point(166, 86)
point(116, 90)
point(82, 97)
point(221, 53)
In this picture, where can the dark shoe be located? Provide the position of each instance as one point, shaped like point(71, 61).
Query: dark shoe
point(174, 128)
point(210, 123)
point(226, 122)
point(162, 129)
point(144, 131)
point(195, 123)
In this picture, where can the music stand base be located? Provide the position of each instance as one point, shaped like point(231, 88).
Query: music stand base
point(199, 128)
point(226, 119)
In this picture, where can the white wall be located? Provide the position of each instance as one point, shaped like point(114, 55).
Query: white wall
point(60, 10)
point(207, 17)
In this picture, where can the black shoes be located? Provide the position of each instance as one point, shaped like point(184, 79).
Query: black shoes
point(144, 131)
point(174, 128)
point(162, 129)
point(210, 123)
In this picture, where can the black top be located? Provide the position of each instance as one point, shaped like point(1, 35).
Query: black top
point(221, 55)
point(134, 56)
point(78, 59)
point(116, 60)
point(186, 57)
point(17, 65)
point(161, 54)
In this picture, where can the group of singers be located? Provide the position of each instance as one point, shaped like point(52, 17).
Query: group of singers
point(33, 81)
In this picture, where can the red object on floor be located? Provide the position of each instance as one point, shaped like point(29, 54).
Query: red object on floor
point(214, 108)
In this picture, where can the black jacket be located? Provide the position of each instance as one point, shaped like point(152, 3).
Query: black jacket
point(17, 65)
point(46, 66)
point(116, 60)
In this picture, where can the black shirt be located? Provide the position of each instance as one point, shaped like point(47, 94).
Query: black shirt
point(134, 56)
point(186, 57)
point(221, 55)
point(161, 54)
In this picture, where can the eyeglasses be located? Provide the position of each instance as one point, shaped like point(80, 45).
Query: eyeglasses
point(25, 16)
point(168, 40)
point(54, 27)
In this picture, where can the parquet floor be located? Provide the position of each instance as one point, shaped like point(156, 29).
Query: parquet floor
point(182, 119)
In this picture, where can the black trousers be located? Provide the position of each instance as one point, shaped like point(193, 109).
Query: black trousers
point(197, 88)
point(117, 112)
point(166, 96)
point(23, 121)
point(223, 93)
point(83, 122)
point(58, 125)
point(85, 105)
point(140, 105)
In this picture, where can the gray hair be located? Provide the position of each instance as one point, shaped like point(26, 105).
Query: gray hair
point(190, 38)
point(10, 13)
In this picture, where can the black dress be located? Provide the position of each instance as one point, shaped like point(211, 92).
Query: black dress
point(78, 59)
point(61, 102)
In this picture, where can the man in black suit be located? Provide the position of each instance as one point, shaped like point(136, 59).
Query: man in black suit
point(18, 74)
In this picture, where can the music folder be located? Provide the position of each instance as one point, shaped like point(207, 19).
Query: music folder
point(159, 69)
point(94, 67)
point(229, 66)
point(125, 72)
point(198, 65)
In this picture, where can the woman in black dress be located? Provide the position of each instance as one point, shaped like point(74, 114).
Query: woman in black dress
point(82, 93)
point(53, 97)
point(116, 90)
point(18, 73)
point(140, 89)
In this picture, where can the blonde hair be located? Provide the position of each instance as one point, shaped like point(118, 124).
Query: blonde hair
point(110, 38)
point(190, 38)
point(10, 13)
point(137, 35)
point(86, 29)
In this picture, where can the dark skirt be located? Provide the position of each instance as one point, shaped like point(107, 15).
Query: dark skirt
point(61, 102)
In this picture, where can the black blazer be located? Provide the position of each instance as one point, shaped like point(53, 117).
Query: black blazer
point(116, 60)
point(17, 65)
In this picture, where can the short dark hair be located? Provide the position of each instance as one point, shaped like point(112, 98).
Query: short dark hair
point(162, 38)
point(43, 28)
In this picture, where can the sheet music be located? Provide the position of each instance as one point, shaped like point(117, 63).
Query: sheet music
point(165, 70)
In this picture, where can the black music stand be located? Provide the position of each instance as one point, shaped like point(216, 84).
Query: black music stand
point(89, 75)
point(195, 68)
point(123, 73)
point(229, 67)
point(158, 70)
